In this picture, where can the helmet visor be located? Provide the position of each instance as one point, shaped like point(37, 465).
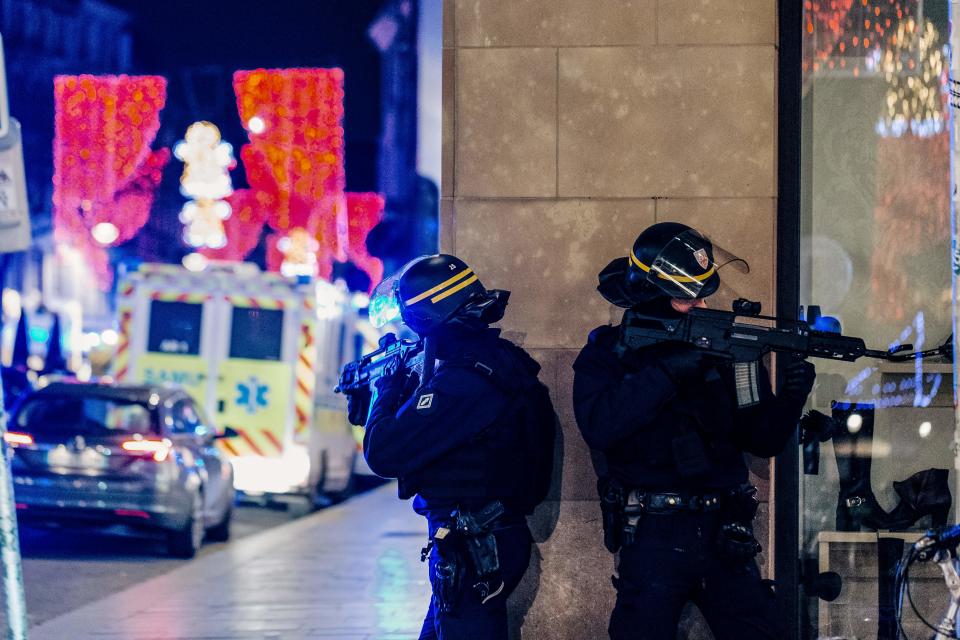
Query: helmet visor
point(385, 302)
point(688, 265)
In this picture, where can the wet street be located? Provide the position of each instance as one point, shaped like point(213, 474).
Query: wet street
point(347, 572)
point(66, 568)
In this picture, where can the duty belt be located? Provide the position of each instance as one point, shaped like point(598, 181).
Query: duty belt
point(650, 502)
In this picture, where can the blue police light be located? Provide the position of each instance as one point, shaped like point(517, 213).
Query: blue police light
point(383, 309)
point(827, 324)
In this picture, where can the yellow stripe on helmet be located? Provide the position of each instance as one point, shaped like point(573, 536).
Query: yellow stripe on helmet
point(703, 276)
point(446, 283)
point(453, 290)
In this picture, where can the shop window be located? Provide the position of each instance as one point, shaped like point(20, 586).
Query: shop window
point(875, 254)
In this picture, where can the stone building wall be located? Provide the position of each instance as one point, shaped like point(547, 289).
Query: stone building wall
point(569, 126)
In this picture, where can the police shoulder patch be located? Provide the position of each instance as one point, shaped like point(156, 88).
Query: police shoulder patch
point(425, 402)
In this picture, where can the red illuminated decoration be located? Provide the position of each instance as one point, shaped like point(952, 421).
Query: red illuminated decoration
point(364, 211)
point(105, 173)
point(294, 118)
point(244, 225)
point(823, 26)
point(294, 165)
point(849, 36)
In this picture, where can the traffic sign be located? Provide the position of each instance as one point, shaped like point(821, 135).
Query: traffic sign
point(14, 211)
point(4, 105)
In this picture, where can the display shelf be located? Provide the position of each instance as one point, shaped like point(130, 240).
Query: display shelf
point(827, 538)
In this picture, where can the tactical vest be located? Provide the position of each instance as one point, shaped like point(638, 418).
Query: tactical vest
point(480, 469)
point(488, 466)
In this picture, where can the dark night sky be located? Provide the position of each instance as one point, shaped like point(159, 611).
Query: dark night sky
point(209, 39)
point(197, 45)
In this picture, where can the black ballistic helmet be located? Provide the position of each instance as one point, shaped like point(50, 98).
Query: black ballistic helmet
point(435, 290)
point(667, 260)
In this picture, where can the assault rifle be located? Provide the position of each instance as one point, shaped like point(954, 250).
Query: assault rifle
point(729, 335)
point(393, 354)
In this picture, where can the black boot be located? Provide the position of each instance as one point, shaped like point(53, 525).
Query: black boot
point(925, 492)
point(853, 446)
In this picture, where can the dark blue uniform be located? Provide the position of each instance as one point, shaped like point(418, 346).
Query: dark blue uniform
point(633, 410)
point(453, 444)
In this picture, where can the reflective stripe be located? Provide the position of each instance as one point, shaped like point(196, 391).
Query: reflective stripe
point(442, 285)
point(453, 290)
point(643, 267)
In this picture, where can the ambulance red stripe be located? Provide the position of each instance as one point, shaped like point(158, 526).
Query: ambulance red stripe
point(249, 441)
point(273, 440)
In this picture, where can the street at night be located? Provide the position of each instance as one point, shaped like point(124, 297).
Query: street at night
point(262, 584)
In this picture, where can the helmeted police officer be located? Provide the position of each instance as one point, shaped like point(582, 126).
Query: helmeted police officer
point(464, 440)
point(674, 425)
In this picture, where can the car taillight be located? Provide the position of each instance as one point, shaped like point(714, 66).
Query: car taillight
point(15, 439)
point(159, 449)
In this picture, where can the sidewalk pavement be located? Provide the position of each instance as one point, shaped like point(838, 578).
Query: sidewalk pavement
point(350, 572)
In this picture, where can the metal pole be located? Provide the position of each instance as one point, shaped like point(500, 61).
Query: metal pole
point(947, 629)
point(10, 541)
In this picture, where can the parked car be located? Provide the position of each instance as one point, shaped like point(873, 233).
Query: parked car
point(138, 455)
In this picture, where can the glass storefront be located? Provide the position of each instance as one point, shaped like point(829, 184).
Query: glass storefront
point(876, 255)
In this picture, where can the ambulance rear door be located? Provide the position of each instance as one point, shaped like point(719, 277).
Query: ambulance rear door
point(176, 345)
point(257, 348)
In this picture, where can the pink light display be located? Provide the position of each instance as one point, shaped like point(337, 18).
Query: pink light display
point(294, 118)
point(294, 162)
point(104, 169)
point(364, 211)
point(244, 225)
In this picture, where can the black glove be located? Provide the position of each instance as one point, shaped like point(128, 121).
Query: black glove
point(682, 364)
point(358, 406)
point(397, 381)
point(798, 378)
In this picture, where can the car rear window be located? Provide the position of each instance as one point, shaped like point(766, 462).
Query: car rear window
point(87, 416)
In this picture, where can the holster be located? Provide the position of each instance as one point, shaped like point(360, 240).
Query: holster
point(611, 509)
point(469, 538)
point(447, 576)
point(735, 540)
point(477, 531)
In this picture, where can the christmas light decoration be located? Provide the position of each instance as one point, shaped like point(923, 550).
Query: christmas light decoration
point(295, 121)
point(364, 211)
point(299, 249)
point(294, 165)
point(207, 162)
point(913, 66)
point(104, 170)
point(823, 25)
point(243, 227)
point(849, 36)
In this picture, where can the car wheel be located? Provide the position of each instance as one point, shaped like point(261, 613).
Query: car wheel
point(302, 505)
point(221, 532)
point(349, 488)
point(185, 542)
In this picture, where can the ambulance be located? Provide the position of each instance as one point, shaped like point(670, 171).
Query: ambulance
point(261, 353)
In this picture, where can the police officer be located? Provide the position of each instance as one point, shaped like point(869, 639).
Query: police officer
point(464, 442)
point(675, 425)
